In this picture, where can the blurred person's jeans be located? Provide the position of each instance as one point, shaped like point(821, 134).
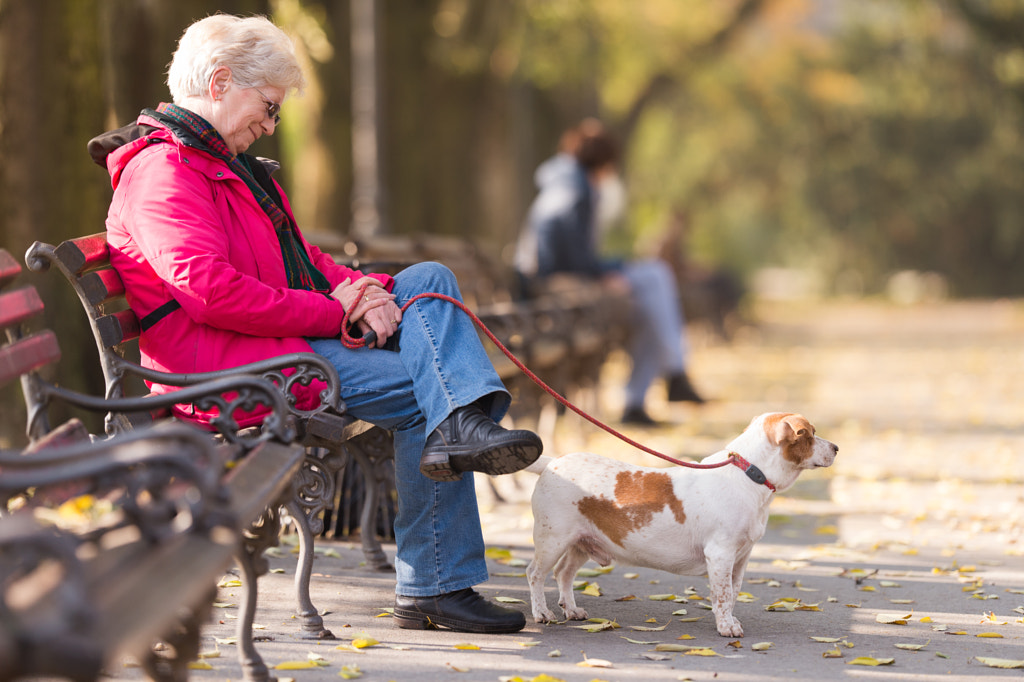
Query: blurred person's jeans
point(657, 345)
point(440, 365)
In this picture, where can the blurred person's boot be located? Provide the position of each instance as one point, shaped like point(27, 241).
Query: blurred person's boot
point(680, 390)
point(637, 416)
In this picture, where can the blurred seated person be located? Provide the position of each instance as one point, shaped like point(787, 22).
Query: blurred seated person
point(560, 236)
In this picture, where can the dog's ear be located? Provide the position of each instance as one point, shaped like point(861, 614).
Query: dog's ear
point(786, 428)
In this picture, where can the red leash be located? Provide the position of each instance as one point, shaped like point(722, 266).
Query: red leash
point(734, 458)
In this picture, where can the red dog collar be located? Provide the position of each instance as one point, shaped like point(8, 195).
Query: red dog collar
point(752, 472)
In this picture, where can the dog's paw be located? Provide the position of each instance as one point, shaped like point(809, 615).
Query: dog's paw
point(575, 613)
point(730, 627)
point(545, 616)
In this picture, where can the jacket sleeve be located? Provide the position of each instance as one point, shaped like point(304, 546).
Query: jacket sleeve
point(177, 228)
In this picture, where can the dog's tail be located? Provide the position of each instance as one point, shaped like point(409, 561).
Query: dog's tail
point(540, 465)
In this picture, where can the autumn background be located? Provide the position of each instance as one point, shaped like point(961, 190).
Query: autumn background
point(819, 148)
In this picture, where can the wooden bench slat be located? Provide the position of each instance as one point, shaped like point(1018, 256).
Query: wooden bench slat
point(116, 328)
point(83, 253)
point(9, 268)
point(261, 477)
point(19, 305)
point(101, 286)
point(27, 355)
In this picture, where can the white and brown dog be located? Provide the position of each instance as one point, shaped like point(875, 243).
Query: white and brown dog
point(682, 520)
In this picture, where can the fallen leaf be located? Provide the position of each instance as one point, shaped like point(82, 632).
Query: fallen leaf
point(703, 651)
point(509, 600)
point(595, 663)
point(200, 665)
point(593, 590)
point(992, 635)
point(209, 654)
point(685, 637)
point(630, 576)
point(364, 642)
point(833, 653)
point(498, 554)
point(890, 619)
point(593, 572)
point(661, 597)
point(350, 672)
point(762, 646)
point(926, 619)
point(870, 660)
point(299, 665)
point(467, 647)
point(651, 656)
point(628, 597)
point(826, 640)
point(999, 662)
point(639, 641)
point(457, 668)
point(888, 583)
point(912, 647)
point(679, 612)
point(554, 653)
point(676, 647)
point(646, 628)
point(230, 582)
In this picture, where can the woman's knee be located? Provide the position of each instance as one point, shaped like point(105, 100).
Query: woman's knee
point(429, 276)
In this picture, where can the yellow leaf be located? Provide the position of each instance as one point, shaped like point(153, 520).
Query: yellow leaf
point(544, 677)
point(833, 653)
point(993, 635)
point(926, 619)
point(639, 641)
point(593, 572)
point(702, 652)
point(595, 663)
point(999, 662)
point(209, 654)
point(762, 646)
point(746, 598)
point(912, 647)
point(350, 672)
point(497, 553)
point(866, 588)
point(509, 600)
point(554, 653)
point(826, 640)
point(661, 597)
point(647, 628)
point(685, 637)
point(888, 583)
point(230, 582)
point(529, 643)
point(630, 576)
point(593, 590)
point(297, 665)
point(471, 647)
point(200, 665)
point(364, 642)
point(870, 660)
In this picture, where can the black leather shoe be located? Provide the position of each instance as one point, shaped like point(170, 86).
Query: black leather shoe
point(469, 440)
point(680, 390)
point(463, 611)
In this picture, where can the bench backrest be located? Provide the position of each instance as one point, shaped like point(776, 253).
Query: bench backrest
point(23, 353)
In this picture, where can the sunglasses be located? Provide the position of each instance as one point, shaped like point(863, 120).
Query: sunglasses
point(273, 108)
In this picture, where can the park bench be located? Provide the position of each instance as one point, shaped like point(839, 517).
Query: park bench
point(333, 438)
point(181, 505)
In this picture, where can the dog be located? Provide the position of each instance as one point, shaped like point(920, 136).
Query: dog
point(682, 520)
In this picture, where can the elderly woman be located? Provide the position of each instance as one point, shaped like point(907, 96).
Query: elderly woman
point(220, 275)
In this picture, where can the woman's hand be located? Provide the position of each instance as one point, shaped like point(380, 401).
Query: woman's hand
point(375, 310)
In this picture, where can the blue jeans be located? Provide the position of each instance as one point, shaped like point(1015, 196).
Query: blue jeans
point(440, 365)
point(658, 339)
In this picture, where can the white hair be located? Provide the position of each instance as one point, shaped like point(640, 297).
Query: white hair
point(257, 52)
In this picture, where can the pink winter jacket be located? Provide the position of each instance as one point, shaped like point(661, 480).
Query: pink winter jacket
point(182, 225)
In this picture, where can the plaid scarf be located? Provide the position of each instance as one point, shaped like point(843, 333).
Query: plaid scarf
point(194, 131)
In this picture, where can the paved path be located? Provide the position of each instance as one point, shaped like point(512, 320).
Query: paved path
point(921, 519)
